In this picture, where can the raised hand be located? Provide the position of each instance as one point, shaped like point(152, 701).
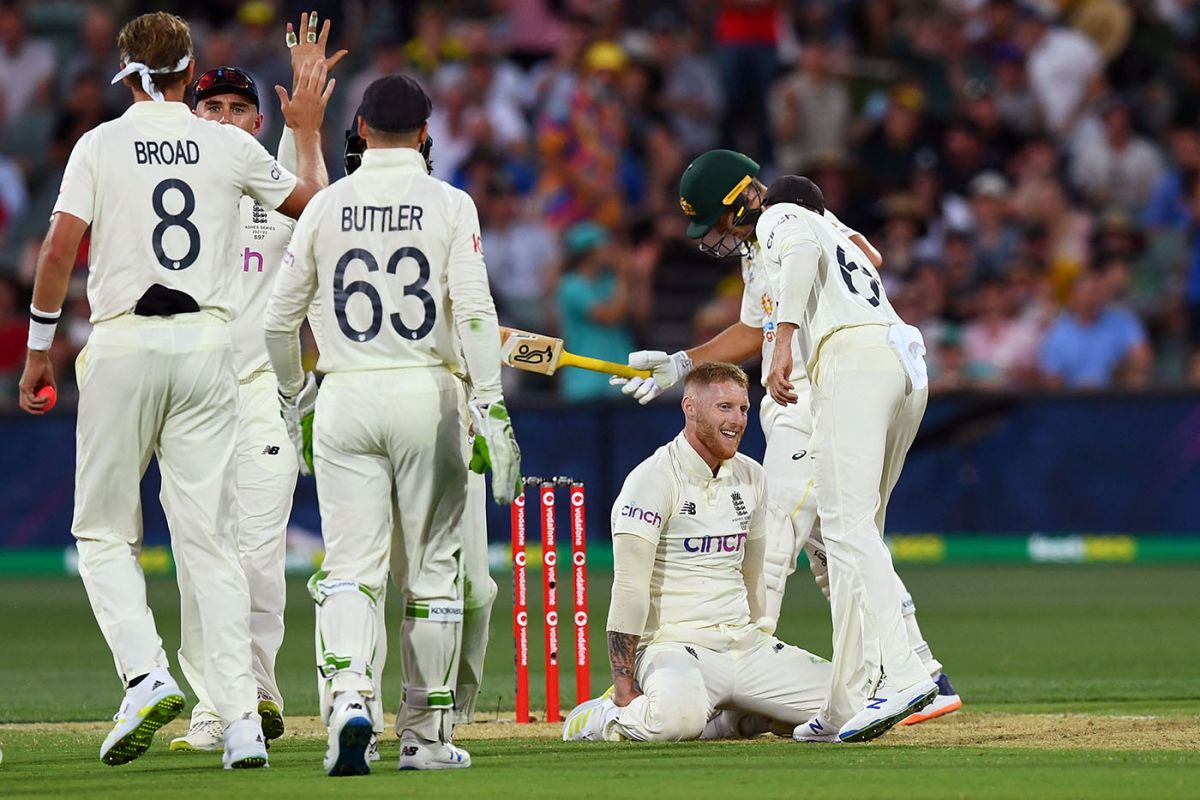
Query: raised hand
point(309, 47)
point(305, 110)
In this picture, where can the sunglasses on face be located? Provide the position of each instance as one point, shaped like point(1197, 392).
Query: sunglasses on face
point(231, 77)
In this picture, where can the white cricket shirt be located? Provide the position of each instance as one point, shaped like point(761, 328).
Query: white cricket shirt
point(160, 189)
point(391, 260)
point(700, 524)
point(262, 241)
point(822, 281)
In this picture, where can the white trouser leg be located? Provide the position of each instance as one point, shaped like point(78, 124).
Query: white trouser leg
point(866, 417)
point(391, 477)
point(196, 458)
point(791, 503)
point(778, 681)
point(120, 399)
point(676, 699)
point(479, 593)
point(266, 482)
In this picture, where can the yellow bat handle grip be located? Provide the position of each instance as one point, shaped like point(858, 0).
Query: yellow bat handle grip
point(599, 365)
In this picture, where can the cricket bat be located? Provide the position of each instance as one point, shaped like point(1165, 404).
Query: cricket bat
point(534, 352)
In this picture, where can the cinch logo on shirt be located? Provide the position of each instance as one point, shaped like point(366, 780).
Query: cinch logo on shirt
point(649, 517)
point(714, 544)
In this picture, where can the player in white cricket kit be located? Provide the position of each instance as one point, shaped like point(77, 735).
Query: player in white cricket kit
point(393, 259)
point(688, 635)
point(479, 590)
point(792, 516)
point(158, 188)
point(869, 390)
point(266, 458)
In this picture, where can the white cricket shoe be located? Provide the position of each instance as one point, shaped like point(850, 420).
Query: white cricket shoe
point(350, 733)
point(204, 734)
point(587, 721)
point(245, 747)
point(373, 748)
point(154, 702)
point(946, 702)
point(816, 730)
point(887, 708)
point(271, 715)
point(415, 754)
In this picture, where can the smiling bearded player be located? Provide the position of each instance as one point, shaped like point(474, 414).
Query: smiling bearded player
point(687, 630)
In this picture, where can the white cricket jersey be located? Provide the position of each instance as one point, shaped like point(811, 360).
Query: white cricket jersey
point(262, 240)
point(759, 302)
point(822, 280)
point(160, 188)
point(391, 260)
point(700, 524)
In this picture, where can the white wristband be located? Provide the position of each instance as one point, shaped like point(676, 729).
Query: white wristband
point(41, 328)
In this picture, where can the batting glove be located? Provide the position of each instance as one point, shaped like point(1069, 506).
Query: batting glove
point(666, 371)
point(297, 412)
point(495, 448)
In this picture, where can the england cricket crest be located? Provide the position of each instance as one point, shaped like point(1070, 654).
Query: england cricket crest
point(687, 207)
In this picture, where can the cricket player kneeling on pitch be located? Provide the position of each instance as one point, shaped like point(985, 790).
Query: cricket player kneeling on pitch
point(687, 633)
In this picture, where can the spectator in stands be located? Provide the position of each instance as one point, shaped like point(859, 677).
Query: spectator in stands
point(890, 149)
point(745, 43)
point(1063, 66)
point(1089, 342)
point(993, 236)
point(810, 110)
point(1000, 350)
point(521, 257)
point(692, 97)
point(26, 64)
point(1119, 168)
point(582, 145)
point(1168, 206)
point(598, 298)
point(1193, 260)
point(97, 57)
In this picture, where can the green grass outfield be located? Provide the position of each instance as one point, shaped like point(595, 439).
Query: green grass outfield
point(1078, 682)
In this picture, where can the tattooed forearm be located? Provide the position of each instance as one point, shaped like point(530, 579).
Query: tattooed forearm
point(622, 654)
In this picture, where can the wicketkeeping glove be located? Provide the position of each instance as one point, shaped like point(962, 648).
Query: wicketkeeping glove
point(297, 412)
point(495, 448)
point(667, 370)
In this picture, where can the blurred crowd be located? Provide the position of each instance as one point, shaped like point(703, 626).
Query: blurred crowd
point(1030, 169)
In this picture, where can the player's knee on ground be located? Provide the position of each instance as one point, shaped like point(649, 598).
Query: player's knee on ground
point(674, 708)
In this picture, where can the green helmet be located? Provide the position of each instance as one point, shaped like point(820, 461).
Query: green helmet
point(710, 185)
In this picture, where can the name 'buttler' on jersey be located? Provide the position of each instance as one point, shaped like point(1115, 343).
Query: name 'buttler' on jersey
point(845, 291)
point(389, 257)
point(700, 524)
point(160, 188)
point(760, 300)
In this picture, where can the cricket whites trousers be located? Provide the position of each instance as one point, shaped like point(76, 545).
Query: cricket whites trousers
point(266, 482)
point(866, 411)
point(392, 487)
point(164, 387)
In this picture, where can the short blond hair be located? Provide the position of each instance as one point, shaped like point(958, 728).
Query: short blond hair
point(714, 372)
point(157, 40)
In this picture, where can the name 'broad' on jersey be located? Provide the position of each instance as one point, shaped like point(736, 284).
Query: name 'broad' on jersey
point(160, 189)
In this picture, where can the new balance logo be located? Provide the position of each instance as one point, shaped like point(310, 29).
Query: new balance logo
point(408, 750)
point(689, 508)
point(815, 726)
point(876, 702)
point(271, 450)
